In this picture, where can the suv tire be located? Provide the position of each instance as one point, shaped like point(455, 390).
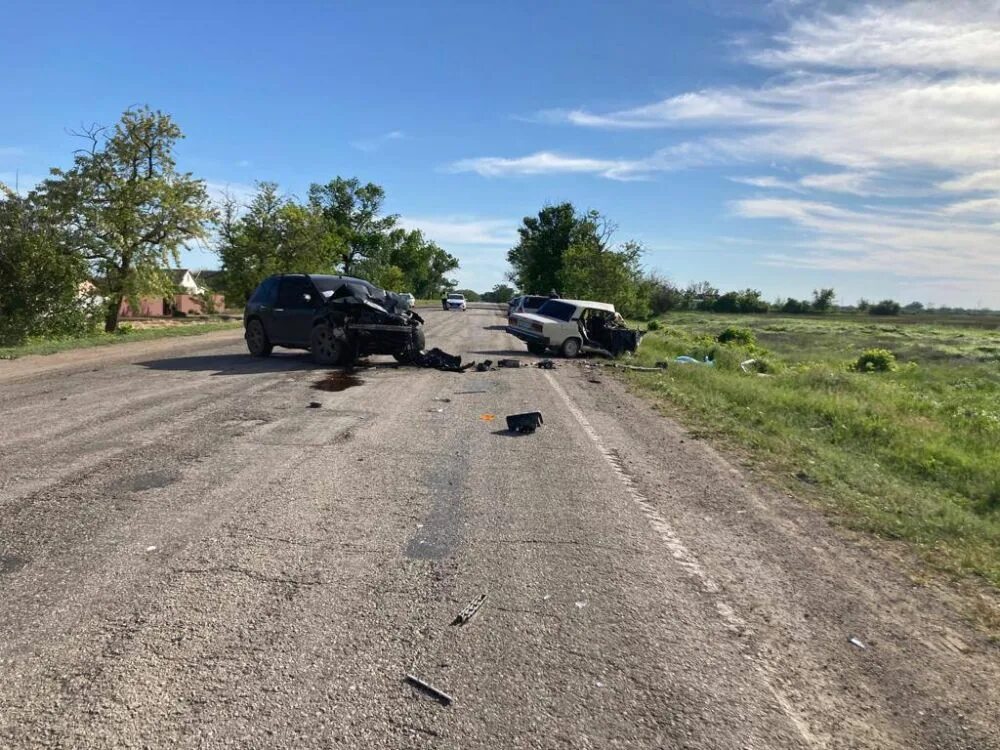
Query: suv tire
point(326, 348)
point(256, 337)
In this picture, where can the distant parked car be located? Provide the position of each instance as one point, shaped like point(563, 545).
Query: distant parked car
point(408, 298)
point(337, 318)
point(455, 301)
point(572, 326)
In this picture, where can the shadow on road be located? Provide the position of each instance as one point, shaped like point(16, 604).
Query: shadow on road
point(233, 364)
point(503, 352)
point(494, 328)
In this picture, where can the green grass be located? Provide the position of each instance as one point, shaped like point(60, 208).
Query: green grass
point(54, 345)
point(912, 454)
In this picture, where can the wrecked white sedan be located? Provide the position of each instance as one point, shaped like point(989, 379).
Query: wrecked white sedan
point(573, 327)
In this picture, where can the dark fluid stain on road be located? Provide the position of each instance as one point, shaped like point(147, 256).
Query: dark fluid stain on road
point(152, 480)
point(11, 564)
point(337, 381)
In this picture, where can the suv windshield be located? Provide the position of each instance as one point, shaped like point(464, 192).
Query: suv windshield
point(456, 296)
point(553, 308)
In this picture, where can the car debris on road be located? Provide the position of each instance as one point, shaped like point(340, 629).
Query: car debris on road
point(439, 695)
point(524, 423)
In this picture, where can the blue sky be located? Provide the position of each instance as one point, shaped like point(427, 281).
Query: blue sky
point(782, 145)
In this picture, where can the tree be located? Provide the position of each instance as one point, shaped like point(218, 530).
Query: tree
point(537, 259)
point(594, 270)
point(271, 234)
point(469, 294)
point(914, 307)
point(423, 263)
point(40, 275)
point(885, 307)
point(795, 306)
point(823, 300)
point(499, 293)
point(353, 212)
point(125, 208)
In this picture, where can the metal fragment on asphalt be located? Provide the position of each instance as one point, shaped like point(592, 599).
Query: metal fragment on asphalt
point(438, 695)
point(855, 642)
point(470, 611)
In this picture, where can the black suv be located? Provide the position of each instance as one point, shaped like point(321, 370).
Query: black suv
point(337, 318)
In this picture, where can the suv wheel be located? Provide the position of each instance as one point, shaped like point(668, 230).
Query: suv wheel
point(570, 348)
point(326, 348)
point(257, 341)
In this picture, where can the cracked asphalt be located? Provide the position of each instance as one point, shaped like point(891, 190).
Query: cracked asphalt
point(191, 557)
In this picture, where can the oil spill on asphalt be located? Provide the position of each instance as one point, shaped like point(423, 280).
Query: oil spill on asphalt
point(11, 564)
point(337, 381)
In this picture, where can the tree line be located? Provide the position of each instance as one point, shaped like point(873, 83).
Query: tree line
point(110, 227)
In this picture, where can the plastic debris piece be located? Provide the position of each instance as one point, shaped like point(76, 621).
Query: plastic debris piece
point(485, 366)
point(546, 364)
point(581, 605)
point(438, 695)
point(524, 423)
point(686, 360)
point(855, 642)
point(509, 363)
point(314, 404)
point(470, 611)
point(151, 548)
point(487, 417)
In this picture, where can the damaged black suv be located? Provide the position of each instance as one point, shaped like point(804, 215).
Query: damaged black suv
point(337, 318)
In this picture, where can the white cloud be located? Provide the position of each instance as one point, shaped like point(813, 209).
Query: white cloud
point(238, 191)
point(374, 143)
point(986, 180)
point(464, 230)
point(549, 162)
point(857, 183)
point(981, 206)
point(936, 35)
point(767, 181)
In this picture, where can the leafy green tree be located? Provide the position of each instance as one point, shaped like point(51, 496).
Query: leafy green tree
point(423, 263)
point(353, 212)
point(594, 270)
point(271, 234)
point(469, 294)
point(499, 293)
point(795, 306)
point(823, 300)
point(537, 259)
point(885, 307)
point(125, 207)
point(40, 275)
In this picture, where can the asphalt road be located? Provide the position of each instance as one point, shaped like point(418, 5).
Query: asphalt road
point(190, 556)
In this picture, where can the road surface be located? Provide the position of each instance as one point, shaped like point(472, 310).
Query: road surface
point(192, 557)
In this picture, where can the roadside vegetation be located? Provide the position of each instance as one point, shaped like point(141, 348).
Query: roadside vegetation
point(893, 426)
point(124, 334)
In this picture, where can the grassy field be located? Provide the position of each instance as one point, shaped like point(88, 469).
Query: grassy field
point(51, 346)
point(911, 454)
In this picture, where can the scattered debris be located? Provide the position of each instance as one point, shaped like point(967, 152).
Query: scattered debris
point(151, 548)
point(593, 380)
point(485, 366)
point(546, 364)
point(436, 411)
point(444, 400)
point(524, 423)
point(637, 368)
point(686, 360)
point(470, 611)
point(314, 404)
point(581, 605)
point(855, 642)
point(487, 417)
point(440, 360)
point(509, 363)
point(438, 695)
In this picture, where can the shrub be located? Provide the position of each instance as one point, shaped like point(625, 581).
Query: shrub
point(653, 325)
point(885, 307)
point(876, 360)
point(741, 336)
point(124, 329)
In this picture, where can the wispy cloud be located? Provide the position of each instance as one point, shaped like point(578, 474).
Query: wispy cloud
point(550, 162)
point(374, 143)
point(464, 230)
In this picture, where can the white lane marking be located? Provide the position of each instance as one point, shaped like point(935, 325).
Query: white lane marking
point(681, 554)
point(684, 558)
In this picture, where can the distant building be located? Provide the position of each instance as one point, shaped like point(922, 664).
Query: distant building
point(194, 295)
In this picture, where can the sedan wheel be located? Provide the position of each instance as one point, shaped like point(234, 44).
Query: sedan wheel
point(570, 348)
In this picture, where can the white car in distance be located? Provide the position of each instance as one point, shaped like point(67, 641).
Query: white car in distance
point(455, 301)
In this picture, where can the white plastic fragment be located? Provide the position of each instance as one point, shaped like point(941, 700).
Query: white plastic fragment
point(855, 642)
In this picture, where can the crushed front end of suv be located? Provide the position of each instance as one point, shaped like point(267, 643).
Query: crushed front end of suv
point(337, 318)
